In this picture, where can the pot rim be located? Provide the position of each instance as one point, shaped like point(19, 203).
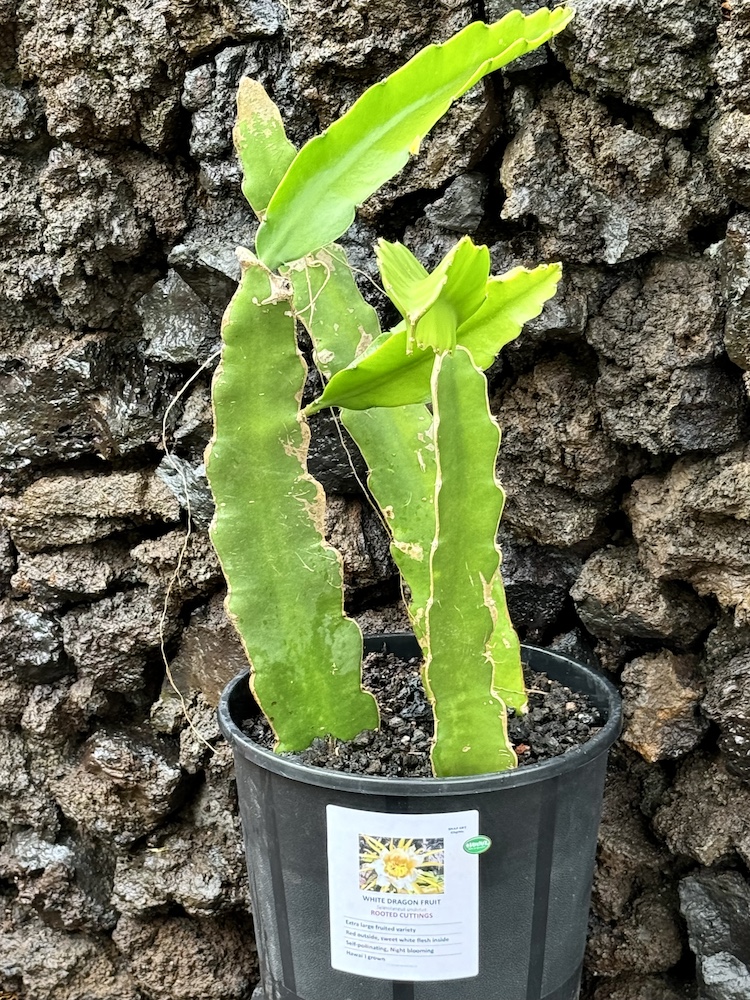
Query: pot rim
point(375, 785)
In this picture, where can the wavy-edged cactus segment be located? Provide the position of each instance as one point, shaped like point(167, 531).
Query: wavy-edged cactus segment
point(396, 443)
point(505, 651)
point(512, 299)
point(402, 273)
point(471, 719)
point(285, 583)
point(340, 168)
point(261, 143)
point(434, 305)
point(391, 375)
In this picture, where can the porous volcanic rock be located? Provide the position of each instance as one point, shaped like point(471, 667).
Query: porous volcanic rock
point(20, 115)
point(111, 640)
point(206, 258)
point(692, 524)
point(32, 644)
point(574, 644)
point(715, 906)
point(68, 887)
point(537, 580)
point(563, 319)
point(732, 61)
point(39, 717)
point(356, 530)
point(196, 862)
point(178, 327)
point(72, 574)
point(557, 466)
point(23, 263)
point(651, 56)
point(185, 565)
point(706, 813)
point(189, 484)
point(13, 696)
point(181, 958)
point(639, 988)
point(7, 558)
point(65, 397)
point(659, 385)
point(727, 703)
point(461, 206)
point(661, 695)
point(194, 426)
point(45, 962)
point(25, 796)
point(725, 977)
point(201, 27)
point(123, 787)
point(62, 510)
point(210, 654)
point(616, 596)
point(341, 48)
point(735, 261)
point(60, 374)
point(647, 937)
point(66, 49)
point(725, 642)
point(199, 737)
point(100, 212)
point(333, 458)
point(730, 129)
point(727, 147)
point(603, 190)
point(629, 859)
point(384, 619)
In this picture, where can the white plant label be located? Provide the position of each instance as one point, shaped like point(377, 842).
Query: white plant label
point(403, 894)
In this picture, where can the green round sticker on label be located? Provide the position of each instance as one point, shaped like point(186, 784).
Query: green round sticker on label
point(477, 845)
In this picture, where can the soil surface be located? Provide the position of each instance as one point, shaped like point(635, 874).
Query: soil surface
point(558, 720)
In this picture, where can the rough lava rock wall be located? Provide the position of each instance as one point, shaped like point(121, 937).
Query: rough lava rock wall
point(621, 150)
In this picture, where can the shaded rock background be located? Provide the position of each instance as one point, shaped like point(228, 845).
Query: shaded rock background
point(622, 151)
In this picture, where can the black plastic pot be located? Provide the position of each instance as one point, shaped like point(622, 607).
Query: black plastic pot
point(534, 881)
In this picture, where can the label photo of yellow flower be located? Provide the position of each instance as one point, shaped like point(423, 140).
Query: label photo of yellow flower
point(391, 865)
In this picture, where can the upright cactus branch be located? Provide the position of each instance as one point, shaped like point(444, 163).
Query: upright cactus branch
point(471, 735)
point(285, 583)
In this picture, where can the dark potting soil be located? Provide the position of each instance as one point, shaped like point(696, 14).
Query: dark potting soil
point(557, 720)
